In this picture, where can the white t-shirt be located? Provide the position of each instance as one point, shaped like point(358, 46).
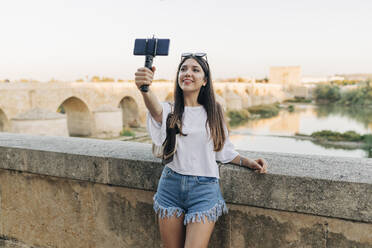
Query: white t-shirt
point(194, 155)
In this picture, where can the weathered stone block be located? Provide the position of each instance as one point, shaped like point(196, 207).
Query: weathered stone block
point(12, 158)
point(136, 174)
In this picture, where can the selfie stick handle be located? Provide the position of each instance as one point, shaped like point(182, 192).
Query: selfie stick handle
point(148, 64)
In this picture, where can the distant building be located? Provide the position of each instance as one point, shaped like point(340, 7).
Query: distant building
point(357, 77)
point(286, 75)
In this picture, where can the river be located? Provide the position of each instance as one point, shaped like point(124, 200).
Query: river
point(262, 134)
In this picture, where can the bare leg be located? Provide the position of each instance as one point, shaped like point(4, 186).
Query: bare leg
point(172, 231)
point(198, 234)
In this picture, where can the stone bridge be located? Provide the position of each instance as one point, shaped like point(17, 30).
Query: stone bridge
point(102, 109)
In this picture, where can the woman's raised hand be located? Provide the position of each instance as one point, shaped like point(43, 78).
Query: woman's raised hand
point(144, 76)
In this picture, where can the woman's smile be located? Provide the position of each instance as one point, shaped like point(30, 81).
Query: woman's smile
point(187, 81)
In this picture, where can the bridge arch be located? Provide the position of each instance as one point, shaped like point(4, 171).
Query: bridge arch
point(130, 112)
point(79, 117)
point(4, 123)
point(219, 92)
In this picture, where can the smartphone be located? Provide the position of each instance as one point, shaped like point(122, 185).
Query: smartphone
point(153, 47)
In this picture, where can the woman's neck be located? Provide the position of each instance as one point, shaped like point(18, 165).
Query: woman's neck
point(191, 99)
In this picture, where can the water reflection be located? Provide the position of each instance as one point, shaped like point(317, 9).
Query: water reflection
point(289, 145)
point(362, 115)
point(306, 119)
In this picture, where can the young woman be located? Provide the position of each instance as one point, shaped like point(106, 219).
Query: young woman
point(188, 198)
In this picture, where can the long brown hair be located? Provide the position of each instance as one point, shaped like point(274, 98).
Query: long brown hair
point(206, 97)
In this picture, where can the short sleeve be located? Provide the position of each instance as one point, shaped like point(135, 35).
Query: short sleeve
point(228, 152)
point(156, 129)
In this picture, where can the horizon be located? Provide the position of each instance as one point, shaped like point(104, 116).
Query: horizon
point(67, 40)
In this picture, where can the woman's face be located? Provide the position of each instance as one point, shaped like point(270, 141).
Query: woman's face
point(191, 76)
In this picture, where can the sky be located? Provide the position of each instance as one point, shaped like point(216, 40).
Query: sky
point(71, 39)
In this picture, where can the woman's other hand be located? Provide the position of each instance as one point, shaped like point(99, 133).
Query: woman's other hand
point(258, 165)
point(263, 164)
point(144, 76)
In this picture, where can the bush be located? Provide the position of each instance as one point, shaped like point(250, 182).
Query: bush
point(327, 93)
point(291, 108)
point(265, 111)
point(238, 116)
point(360, 96)
point(336, 136)
point(352, 136)
point(127, 132)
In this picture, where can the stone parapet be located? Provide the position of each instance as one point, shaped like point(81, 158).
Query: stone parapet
point(313, 200)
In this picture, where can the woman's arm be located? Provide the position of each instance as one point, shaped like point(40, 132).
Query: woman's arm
point(258, 165)
point(144, 76)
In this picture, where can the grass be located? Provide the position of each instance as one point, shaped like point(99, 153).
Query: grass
point(265, 111)
point(127, 132)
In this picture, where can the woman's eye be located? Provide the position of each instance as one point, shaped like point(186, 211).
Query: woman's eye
point(183, 69)
point(196, 70)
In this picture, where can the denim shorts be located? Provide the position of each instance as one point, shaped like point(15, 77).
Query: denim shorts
point(198, 197)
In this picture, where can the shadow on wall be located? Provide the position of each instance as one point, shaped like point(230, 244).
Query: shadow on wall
point(130, 112)
point(79, 117)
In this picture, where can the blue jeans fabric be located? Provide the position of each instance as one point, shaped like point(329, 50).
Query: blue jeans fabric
point(198, 197)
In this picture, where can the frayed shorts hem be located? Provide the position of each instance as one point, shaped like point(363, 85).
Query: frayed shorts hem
point(211, 215)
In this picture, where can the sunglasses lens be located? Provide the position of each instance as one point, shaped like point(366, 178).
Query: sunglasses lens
point(186, 54)
point(200, 54)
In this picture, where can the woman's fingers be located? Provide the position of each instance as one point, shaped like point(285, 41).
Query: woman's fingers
point(262, 164)
point(255, 166)
point(147, 70)
point(144, 76)
point(141, 73)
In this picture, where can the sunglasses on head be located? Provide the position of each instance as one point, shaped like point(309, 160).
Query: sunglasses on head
point(199, 55)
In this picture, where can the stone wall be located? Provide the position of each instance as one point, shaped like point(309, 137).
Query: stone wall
point(75, 192)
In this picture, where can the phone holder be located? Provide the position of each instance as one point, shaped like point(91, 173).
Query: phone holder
point(150, 48)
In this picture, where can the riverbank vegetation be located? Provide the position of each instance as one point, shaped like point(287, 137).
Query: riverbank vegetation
point(361, 96)
point(265, 111)
point(346, 140)
point(349, 140)
point(298, 99)
point(239, 117)
point(346, 136)
point(325, 93)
